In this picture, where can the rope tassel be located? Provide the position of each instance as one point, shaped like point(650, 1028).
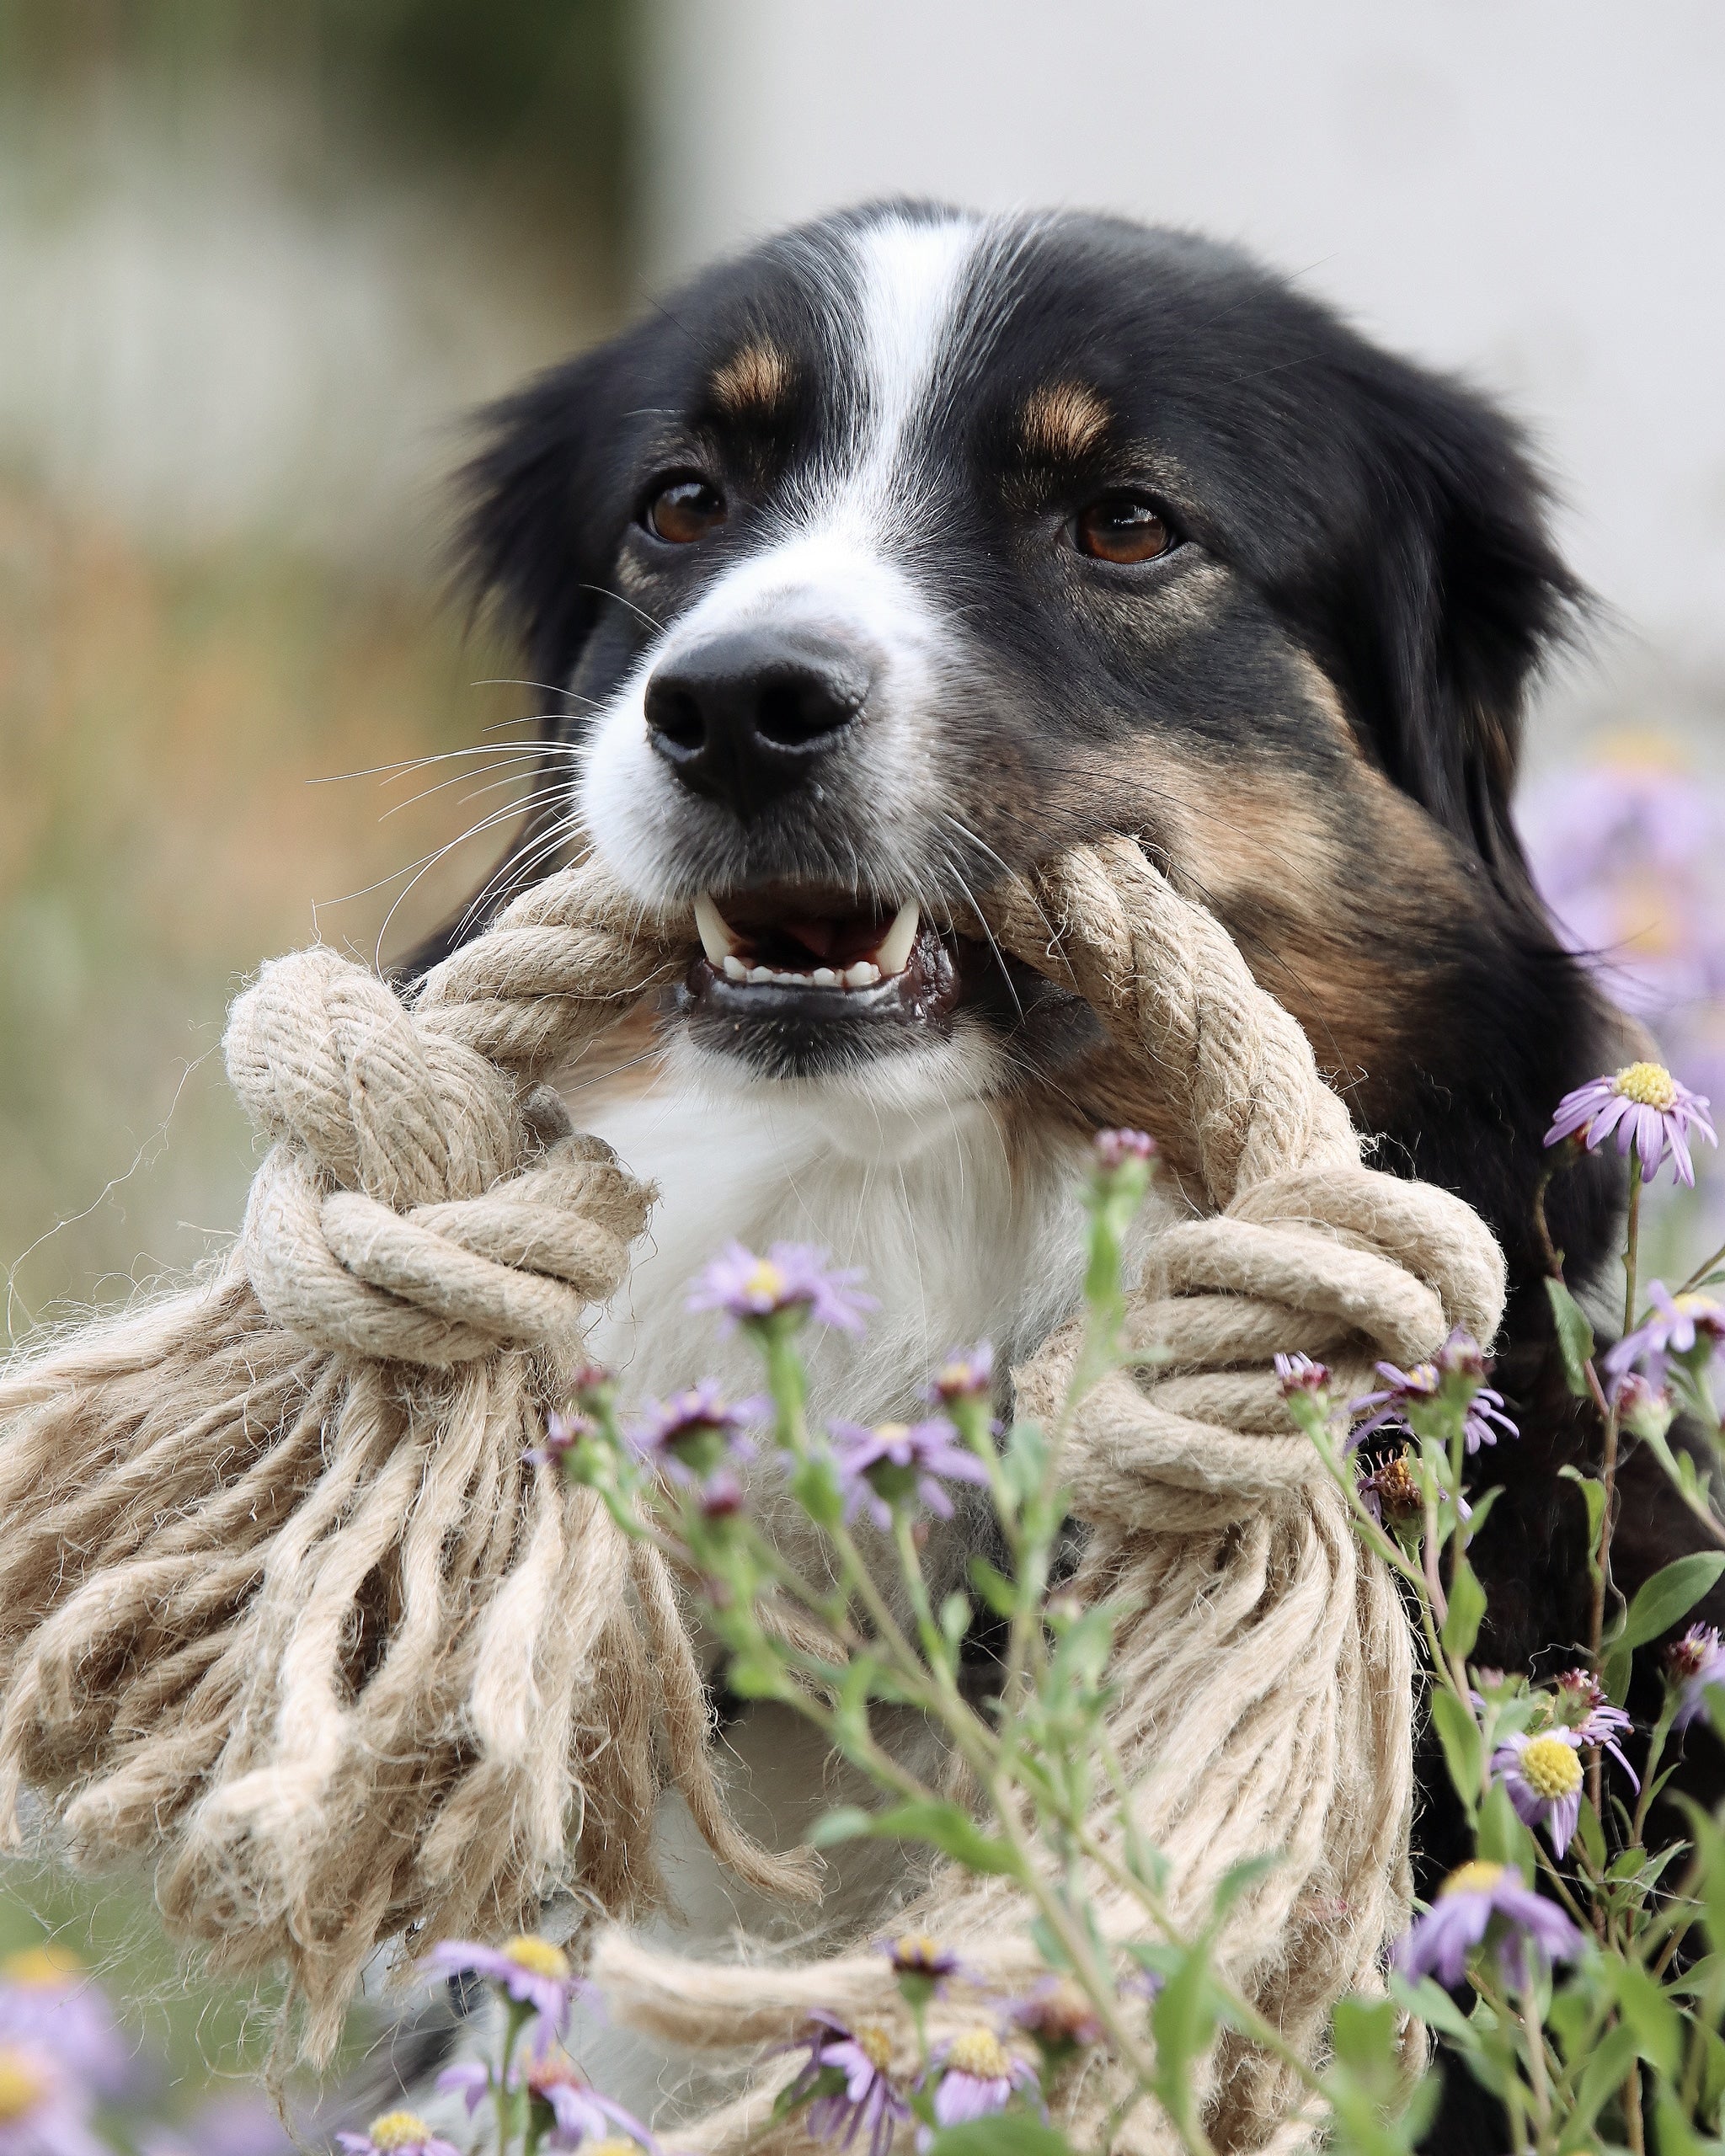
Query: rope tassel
point(281, 1605)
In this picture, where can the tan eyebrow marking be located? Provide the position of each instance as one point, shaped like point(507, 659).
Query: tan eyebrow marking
point(1063, 420)
point(753, 380)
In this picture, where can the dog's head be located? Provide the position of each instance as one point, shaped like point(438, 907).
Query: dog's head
point(915, 546)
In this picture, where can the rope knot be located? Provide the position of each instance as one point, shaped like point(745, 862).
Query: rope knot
point(418, 1205)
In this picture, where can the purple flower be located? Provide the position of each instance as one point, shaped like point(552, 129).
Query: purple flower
point(1676, 1331)
point(1646, 1108)
point(914, 1954)
point(1483, 1902)
point(1299, 1373)
point(979, 2076)
point(1695, 1661)
point(562, 1433)
point(49, 2002)
point(967, 1374)
point(531, 1971)
point(1418, 1399)
point(41, 2112)
point(1644, 1409)
point(469, 2078)
point(864, 2097)
point(578, 2112)
point(791, 1278)
point(692, 1435)
point(1115, 1148)
point(879, 1469)
point(1059, 2017)
point(1582, 1706)
point(1542, 1774)
point(398, 2133)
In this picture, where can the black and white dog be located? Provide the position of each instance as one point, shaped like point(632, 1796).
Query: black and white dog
point(917, 544)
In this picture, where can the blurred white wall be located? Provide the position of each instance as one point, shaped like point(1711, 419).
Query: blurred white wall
point(1532, 191)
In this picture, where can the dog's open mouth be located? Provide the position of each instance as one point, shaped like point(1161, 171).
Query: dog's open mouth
point(803, 959)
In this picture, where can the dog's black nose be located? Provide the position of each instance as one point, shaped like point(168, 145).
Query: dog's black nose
point(745, 717)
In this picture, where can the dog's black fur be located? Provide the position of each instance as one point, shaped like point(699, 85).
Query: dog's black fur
point(1309, 708)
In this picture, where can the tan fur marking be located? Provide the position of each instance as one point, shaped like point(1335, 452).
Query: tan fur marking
point(1062, 421)
point(752, 380)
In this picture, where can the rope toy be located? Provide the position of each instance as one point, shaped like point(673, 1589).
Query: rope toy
point(281, 1604)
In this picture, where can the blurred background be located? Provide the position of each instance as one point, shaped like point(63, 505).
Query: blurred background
point(256, 262)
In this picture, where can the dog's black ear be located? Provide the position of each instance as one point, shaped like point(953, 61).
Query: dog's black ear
point(543, 502)
point(540, 508)
point(1449, 593)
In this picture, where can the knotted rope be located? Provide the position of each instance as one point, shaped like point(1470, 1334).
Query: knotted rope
point(280, 1601)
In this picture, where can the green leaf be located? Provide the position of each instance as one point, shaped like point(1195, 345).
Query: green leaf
point(1613, 1672)
point(955, 1614)
point(1502, 1838)
point(1433, 2006)
point(947, 1828)
point(1182, 2021)
point(1238, 1877)
point(755, 1674)
point(1363, 2034)
point(1468, 1606)
point(1575, 1336)
point(1601, 2077)
point(1013, 2134)
point(814, 1485)
point(995, 1588)
point(1673, 2135)
point(1672, 1592)
point(1658, 2032)
point(1593, 1493)
point(1458, 1732)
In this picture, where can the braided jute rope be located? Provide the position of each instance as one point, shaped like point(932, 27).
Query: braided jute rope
point(281, 1603)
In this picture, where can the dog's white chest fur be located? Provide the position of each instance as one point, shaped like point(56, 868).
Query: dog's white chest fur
point(961, 1234)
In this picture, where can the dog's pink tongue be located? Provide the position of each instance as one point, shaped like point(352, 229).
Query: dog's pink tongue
point(816, 936)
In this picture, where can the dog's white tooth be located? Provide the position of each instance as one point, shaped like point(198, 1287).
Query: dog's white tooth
point(791, 980)
point(894, 952)
point(861, 975)
point(735, 969)
point(824, 977)
point(716, 938)
point(758, 974)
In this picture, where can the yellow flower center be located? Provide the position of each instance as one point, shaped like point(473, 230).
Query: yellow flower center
point(1696, 1305)
point(764, 1279)
point(1476, 1877)
point(538, 1957)
point(22, 2086)
point(1649, 1085)
point(612, 2145)
point(40, 1968)
point(876, 2045)
point(1550, 1767)
point(979, 2053)
point(399, 2130)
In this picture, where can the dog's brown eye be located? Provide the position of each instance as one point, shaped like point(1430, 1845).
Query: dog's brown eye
point(685, 510)
point(1122, 528)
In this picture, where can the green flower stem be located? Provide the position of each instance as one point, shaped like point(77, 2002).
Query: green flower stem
point(934, 1646)
point(1523, 2098)
point(1607, 1469)
point(1707, 1266)
point(516, 2019)
point(1656, 1746)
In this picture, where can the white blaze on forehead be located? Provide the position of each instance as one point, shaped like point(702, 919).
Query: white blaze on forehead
point(909, 276)
point(831, 564)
